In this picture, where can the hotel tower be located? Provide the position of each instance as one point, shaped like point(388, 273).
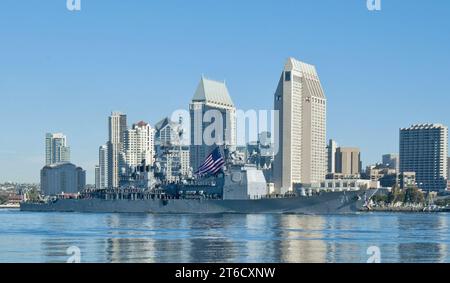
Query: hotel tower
point(211, 97)
point(301, 133)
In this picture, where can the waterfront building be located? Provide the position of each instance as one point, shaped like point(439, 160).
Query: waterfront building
point(331, 152)
point(139, 145)
point(407, 180)
point(63, 177)
point(301, 104)
point(211, 106)
point(448, 167)
point(343, 162)
point(103, 166)
point(167, 132)
point(448, 174)
point(385, 175)
point(344, 184)
point(97, 176)
point(56, 149)
point(424, 150)
point(391, 161)
point(117, 124)
point(348, 161)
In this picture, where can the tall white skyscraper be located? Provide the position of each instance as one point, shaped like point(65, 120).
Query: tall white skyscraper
point(210, 95)
point(56, 149)
point(424, 150)
point(301, 103)
point(117, 127)
point(139, 145)
point(103, 166)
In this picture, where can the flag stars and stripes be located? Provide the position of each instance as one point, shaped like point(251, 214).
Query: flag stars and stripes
point(212, 164)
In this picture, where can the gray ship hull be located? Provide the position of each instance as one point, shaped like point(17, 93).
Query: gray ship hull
point(326, 203)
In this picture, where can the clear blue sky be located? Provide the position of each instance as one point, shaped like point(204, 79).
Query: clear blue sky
point(65, 71)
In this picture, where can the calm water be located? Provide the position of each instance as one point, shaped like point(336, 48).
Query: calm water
point(45, 237)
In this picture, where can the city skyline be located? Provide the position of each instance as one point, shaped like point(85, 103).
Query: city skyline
point(368, 85)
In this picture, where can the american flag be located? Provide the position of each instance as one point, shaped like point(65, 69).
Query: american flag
point(212, 164)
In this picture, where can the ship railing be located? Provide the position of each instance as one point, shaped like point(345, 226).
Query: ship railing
point(274, 196)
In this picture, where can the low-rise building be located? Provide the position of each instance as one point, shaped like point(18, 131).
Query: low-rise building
point(382, 173)
point(408, 179)
point(346, 184)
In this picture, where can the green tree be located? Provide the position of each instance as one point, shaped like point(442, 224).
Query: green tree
point(442, 202)
point(380, 198)
point(414, 195)
point(396, 195)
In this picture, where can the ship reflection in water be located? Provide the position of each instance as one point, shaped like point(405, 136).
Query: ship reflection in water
point(45, 237)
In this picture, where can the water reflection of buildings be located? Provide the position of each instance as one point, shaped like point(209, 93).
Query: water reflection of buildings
point(443, 237)
point(344, 233)
point(423, 239)
point(212, 238)
point(58, 236)
point(146, 238)
point(301, 239)
point(260, 245)
point(172, 238)
point(216, 238)
point(246, 238)
point(119, 249)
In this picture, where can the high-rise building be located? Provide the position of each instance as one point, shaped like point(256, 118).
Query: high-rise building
point(167, 133)
point(448, 174)
point(97, 176)
point(331, 151)
point(211, 106)
point(117, 127)
point(184, 167)
point(56, 149)
point(301, 105)
point(448, 167)
point(348, 161)
point(391, 161)
point(139, 145)
point(103, 166)
point(424, 150)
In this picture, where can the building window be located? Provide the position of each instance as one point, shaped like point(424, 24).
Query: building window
point(287, 76)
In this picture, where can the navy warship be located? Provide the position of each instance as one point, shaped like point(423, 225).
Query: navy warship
point(234, 188)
